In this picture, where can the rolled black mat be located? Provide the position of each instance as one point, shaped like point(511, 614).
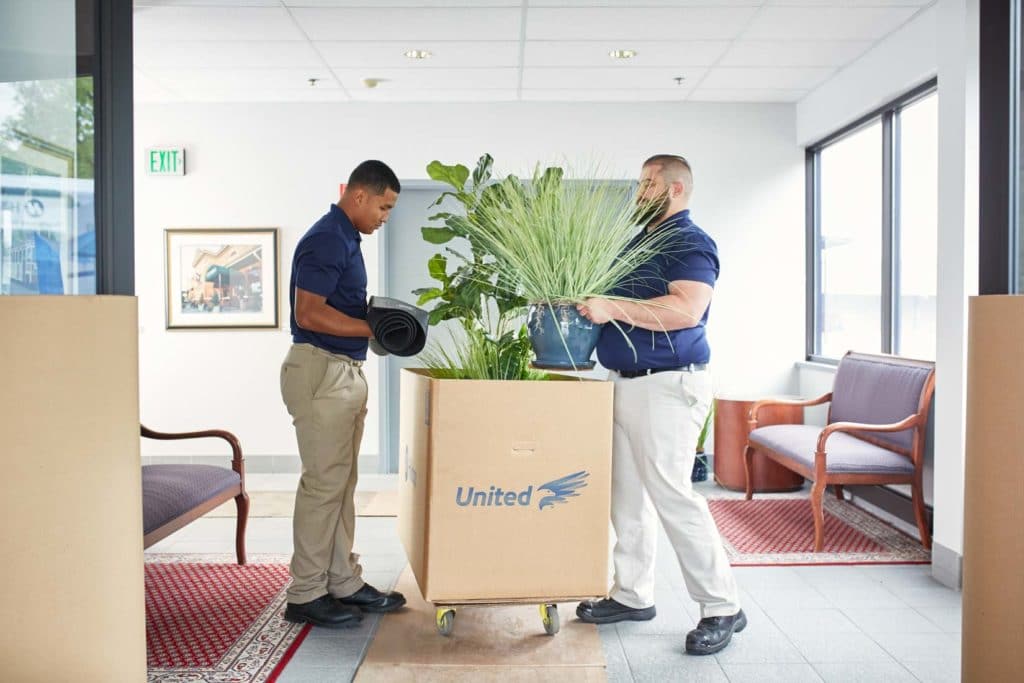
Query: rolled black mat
point(398, 327)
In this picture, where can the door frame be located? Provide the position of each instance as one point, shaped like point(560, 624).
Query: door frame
point(387, 461)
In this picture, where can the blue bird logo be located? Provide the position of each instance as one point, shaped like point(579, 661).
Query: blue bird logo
point(563, 489)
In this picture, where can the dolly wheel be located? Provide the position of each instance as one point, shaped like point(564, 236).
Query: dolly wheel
point(445, 619)
point(549, 615)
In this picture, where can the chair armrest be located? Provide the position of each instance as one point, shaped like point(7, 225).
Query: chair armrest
point(784, 402)
point(236, 448)
point(907, 423)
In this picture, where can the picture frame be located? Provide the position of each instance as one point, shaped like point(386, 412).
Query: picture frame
point(222, 278)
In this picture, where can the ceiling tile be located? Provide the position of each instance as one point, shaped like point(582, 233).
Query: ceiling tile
point(645, 3)
point(794, 53)
point(595, 53)
point(388, 54)
point(610, 23)
point(851, 3)
point(146, 89)
point(605, 95)
point(409, 24)
point(439, 95)
point(226, 54)
point(826, 23)
point(255, 79)
point(610, 78)
point(777, 78)
point(403, 3)
point(430, 79)
point(264, 95)
point(207, 3)
point(749, 95)
point(259, 50)
point(156, 24)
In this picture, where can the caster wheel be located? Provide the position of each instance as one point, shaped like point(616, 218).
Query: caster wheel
point(549, 615)
point(445, 619)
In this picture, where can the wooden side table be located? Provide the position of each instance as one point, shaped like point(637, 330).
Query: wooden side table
point(731, 429)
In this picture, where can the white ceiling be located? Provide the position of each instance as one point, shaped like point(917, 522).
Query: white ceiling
point(502, 50)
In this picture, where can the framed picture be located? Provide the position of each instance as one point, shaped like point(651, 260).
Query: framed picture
point(222, 278)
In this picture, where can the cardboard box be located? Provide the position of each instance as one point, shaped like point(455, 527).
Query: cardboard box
point(993, 633)
point(73, 596)
point(505, 488)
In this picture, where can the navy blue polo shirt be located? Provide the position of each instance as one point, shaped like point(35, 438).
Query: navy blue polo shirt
point(328, 261)
point(688, 254)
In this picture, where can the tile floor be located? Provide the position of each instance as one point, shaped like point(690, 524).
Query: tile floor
point(828, 623)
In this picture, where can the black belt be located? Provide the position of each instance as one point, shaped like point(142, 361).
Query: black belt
point(692, 367)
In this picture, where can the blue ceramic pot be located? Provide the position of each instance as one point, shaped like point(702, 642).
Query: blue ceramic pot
point(700, 468)
point(553, 328)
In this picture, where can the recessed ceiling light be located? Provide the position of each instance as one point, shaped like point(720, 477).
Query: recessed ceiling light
point(418, 54)
point(622, 54)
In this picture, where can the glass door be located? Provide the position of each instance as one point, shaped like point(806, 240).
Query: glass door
point(47, 148)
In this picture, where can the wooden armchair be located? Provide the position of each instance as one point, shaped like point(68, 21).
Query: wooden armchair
point(174, 495)
point(875, 433)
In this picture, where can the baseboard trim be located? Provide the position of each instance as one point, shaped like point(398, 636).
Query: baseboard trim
point(947, 566)
point(897, 507)
point(369, 463)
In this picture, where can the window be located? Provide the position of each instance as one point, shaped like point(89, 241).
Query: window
point(66, 200)
point(917, 223)
point(47, 210)
point(851, 253)
point(872, 230)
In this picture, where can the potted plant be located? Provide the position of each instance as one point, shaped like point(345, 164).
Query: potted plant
point(552, 243)
point(700, 462)
point(493, 342)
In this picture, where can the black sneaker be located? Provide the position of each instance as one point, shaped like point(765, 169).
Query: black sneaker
point(609, 611)
point(369, 599)
point(324, 611)
point(714, 633)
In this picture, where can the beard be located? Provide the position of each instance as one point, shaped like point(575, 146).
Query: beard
point(649, 212)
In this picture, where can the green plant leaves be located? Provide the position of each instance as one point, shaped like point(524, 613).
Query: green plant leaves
point(468, 295)
point(460, 225)
point(427, 294)
point(442, 312)
point(482, 172)
point(706, 429)
point(438, 235)
point(479, 354)
point(456, 175)
point(438, 268)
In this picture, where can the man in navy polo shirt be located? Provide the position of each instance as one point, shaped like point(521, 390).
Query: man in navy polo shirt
point(662, 396)
point(323, 386)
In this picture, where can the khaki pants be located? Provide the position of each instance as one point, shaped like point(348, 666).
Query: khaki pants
point(657, 420)
point(326, 397)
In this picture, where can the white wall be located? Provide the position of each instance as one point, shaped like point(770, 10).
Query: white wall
point(280, 165)
point(958, 264)
point(905, 58)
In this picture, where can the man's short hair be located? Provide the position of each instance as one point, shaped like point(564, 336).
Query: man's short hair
point(375, 175)
point(674, 168)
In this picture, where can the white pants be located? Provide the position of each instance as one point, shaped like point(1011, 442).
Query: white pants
point(657, 420)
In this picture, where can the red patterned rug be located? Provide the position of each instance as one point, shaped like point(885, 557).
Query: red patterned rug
point(774, 531)
point(217, 622)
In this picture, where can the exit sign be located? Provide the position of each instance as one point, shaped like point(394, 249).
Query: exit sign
point(165, 161)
